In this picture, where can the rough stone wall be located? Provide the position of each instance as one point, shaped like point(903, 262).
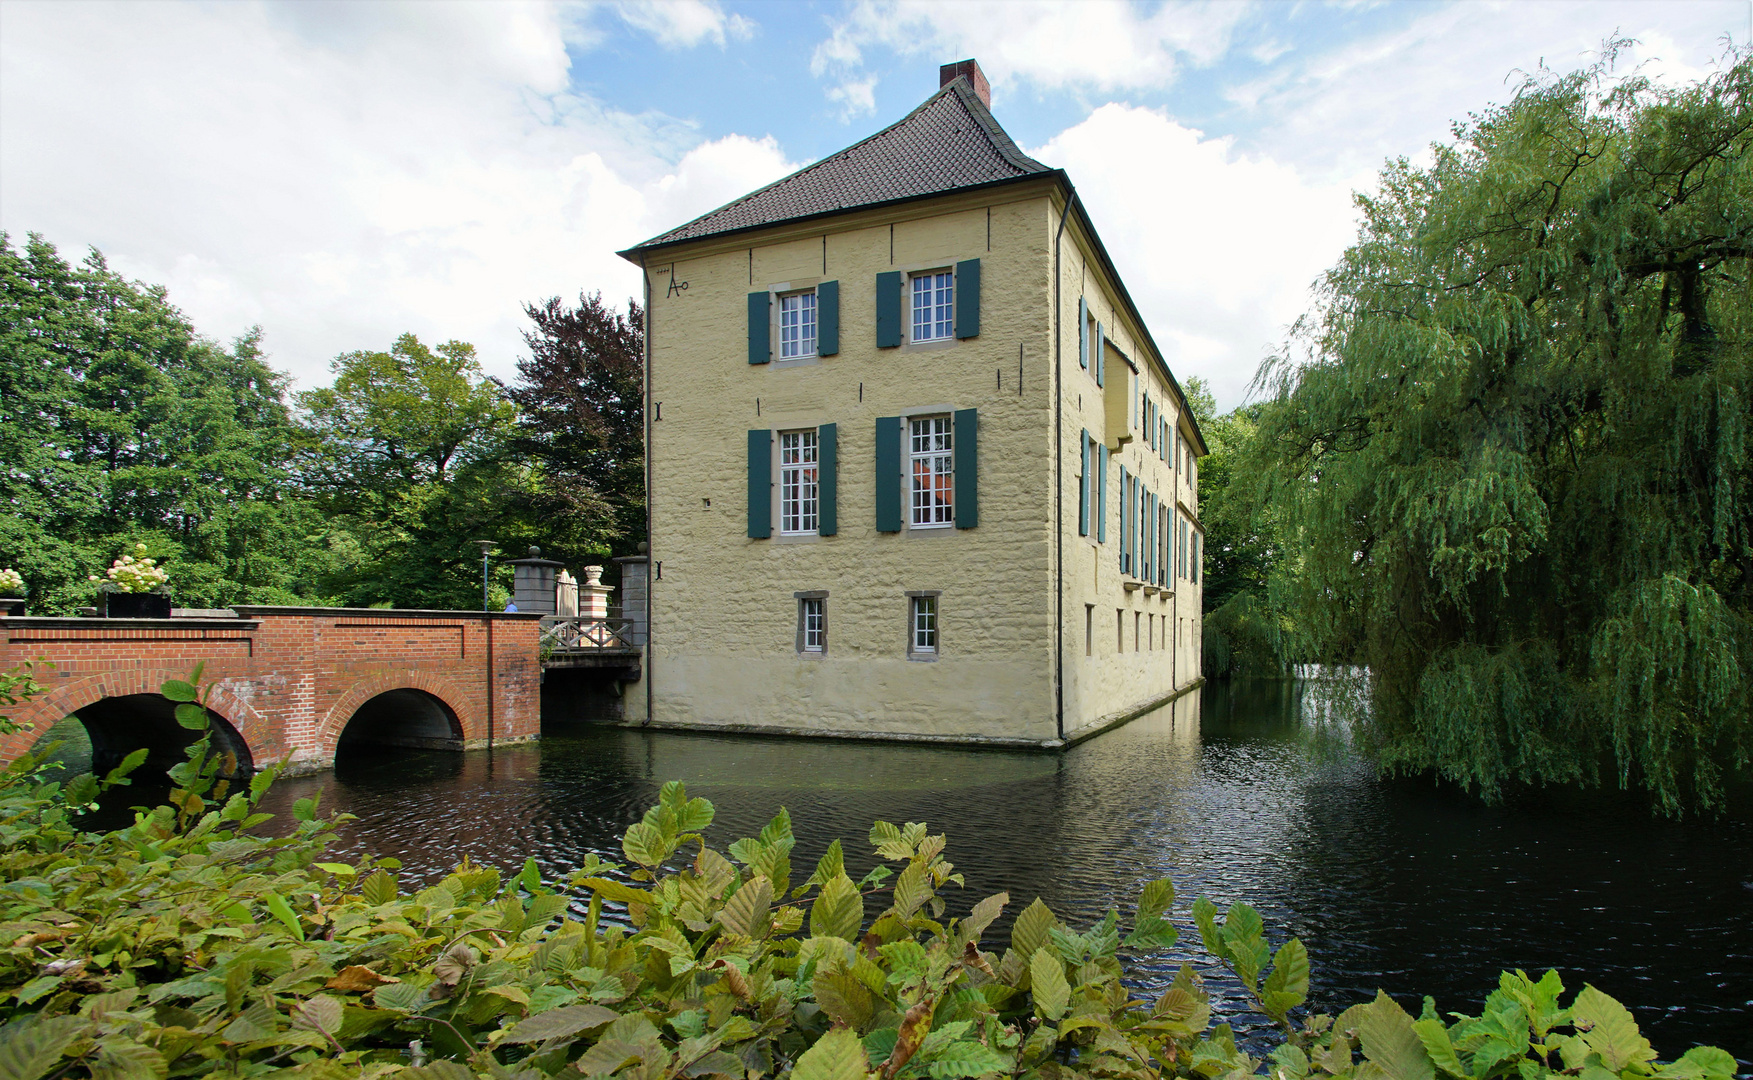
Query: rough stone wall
point(724, 614)
point(289, 679)
point(1124, 648)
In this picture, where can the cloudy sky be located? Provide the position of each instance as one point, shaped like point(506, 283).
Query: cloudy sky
point(342, 172)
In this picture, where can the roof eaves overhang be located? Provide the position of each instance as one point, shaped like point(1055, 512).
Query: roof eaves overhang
point(1107, 261)
point(634, 254)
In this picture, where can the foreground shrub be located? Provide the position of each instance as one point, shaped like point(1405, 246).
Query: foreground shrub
point(185, 945)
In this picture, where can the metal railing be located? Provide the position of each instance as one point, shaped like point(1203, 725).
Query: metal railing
point(578, 634)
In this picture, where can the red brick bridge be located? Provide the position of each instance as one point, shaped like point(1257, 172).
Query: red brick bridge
point(288, 684)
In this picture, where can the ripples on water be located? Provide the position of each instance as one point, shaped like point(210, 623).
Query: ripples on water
point(1398, 885)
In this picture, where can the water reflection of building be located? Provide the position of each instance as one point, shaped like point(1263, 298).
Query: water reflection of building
point(1082, 828)
point(917, 466)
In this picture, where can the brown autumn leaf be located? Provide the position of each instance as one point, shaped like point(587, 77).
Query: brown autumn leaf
point(915, 1026)
point(30, 940)
point(735, 980)
point(971, 958)
point(356, 977)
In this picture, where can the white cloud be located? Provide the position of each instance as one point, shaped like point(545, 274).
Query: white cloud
point(854, 96)
point(1393, 93)
point(1063, 44)
point(341, 174)
point(1218, 248)
point(709, 176)
point(685, 23)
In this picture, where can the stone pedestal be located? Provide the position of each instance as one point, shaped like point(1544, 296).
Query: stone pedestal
point(533, 582)
point(633, 586)
point(593, 595)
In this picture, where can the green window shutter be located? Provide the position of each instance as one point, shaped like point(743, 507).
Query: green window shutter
point(1132, 526)
point(1195, 567)
point(827, 318)
point(760, 328)
point(760, 484)
point(1101, 493)
point(1083, 489)
point(1162, 569)
point(1142, 561)
point(1156, 531)
point(966, 434)
point(1150, 543)
point(1100, 357)
point(1083, 333)
point(827, 472)
point(888, 310)
point(1125, 534)
point(968, 298)
point(888, 474)
point(1140, 500)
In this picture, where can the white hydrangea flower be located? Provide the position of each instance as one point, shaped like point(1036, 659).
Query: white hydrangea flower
point(136, 573)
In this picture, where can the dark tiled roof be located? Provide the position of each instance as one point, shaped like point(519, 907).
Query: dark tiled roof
point(949, 142)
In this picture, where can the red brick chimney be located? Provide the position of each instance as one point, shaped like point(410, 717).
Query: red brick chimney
point(976, 78)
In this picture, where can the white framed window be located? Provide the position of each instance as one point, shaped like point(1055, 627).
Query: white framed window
point(812, 622)
point(934, 305)
point(797, 325)
point(799, 482)
point(932, 467)
point(922, 624)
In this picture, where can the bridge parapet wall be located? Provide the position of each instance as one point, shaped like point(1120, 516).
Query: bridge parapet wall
point(289, 679)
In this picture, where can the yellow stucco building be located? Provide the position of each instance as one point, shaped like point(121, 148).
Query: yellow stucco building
point(916, 468)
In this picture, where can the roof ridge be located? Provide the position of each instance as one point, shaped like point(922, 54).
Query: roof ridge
point(1000, 138)
point(960, 88)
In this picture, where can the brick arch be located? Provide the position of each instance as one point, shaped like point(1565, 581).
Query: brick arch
point(57, 703)
point(334, 722)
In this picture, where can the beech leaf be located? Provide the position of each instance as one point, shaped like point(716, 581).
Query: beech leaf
point(1047, 978)
point(838, 1055)
point(560, 1023)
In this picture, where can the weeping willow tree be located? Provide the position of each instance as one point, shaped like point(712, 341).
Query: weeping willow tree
point(1512, 451)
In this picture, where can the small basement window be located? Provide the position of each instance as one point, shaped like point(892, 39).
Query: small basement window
point(812, 622)
point(922, 625)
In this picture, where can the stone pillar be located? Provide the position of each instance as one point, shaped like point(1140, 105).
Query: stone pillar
point(566, 595)
point(593, 595)
point(633, 586)
point(533, 582)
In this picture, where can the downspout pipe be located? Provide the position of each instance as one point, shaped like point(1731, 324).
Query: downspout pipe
point(650, 540)
point(1059, 474)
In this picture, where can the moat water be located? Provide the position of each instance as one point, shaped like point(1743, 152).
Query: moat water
point(1400, 885)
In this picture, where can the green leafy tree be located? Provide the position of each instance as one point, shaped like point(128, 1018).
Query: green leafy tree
point(1240, 546)
point(410, 449)
point(1514, 464)
point(582, 420)
point(118, 424)
point(1242, 633)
